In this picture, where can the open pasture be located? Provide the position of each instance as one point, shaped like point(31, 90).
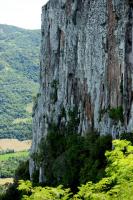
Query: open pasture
point(14, 144)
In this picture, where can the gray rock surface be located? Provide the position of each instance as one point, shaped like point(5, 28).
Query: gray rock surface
point(86, 61)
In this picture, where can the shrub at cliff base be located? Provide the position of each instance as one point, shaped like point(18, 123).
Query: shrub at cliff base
point(71, 159)
point(116, 185)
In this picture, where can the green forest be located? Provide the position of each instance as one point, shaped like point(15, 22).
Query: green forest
point(19, 69)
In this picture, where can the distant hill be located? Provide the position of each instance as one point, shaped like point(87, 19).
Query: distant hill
point(19, 69)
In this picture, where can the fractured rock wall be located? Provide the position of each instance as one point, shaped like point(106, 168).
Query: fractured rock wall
point(86, 61)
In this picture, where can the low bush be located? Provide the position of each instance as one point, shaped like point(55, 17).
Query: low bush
point(116, 114)
point(22, 172)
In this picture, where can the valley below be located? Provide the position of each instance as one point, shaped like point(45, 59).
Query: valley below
point(19, 69)
point(12, 153)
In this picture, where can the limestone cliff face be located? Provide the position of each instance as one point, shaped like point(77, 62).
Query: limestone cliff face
point(87, 63)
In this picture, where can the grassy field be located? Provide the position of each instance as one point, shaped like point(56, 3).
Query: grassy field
point(9, 162)
point(14, 144)
point(7, 156)
point(12, 153)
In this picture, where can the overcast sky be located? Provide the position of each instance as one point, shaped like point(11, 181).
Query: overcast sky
point(21, 13)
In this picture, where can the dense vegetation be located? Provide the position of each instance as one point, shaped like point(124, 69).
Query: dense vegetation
point(19, 67)
point(117, 183)
point(72, 159)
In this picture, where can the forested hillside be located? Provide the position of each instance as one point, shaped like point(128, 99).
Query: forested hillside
point(19, 69)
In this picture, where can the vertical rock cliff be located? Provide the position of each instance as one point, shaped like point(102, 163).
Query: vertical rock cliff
point(86, 64)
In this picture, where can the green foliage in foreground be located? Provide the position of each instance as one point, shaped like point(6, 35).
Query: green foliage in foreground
point(117, 185)
point(10, 162)
point(42, 193)
point(19, 69)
